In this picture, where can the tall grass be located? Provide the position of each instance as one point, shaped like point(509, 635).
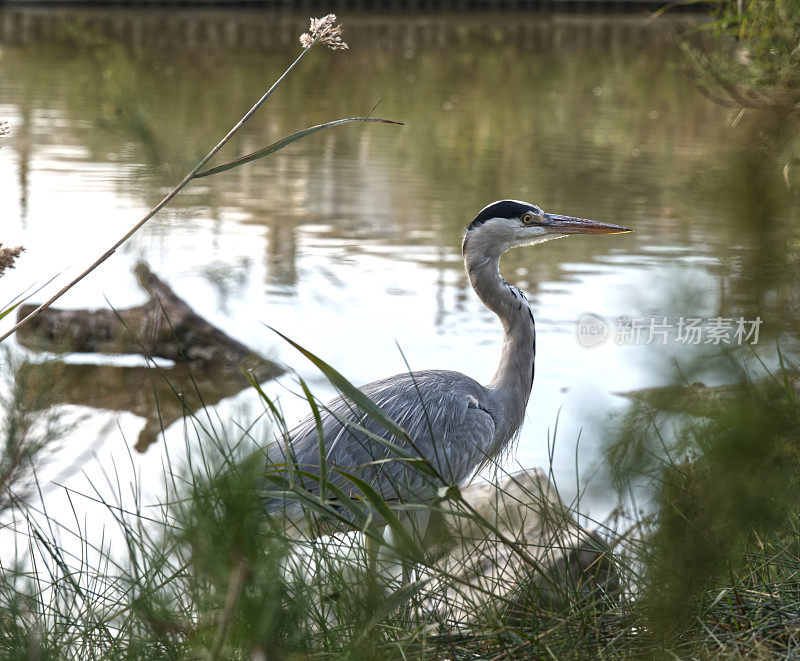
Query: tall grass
point(208, 573)
point(211, 573)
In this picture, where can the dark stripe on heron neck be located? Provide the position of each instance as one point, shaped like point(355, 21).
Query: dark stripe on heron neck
point(533, 360)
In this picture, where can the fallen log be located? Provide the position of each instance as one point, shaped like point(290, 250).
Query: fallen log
point(164, 327)
point(209, 364)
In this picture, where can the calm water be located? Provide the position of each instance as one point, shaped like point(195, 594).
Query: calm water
point(349, 241)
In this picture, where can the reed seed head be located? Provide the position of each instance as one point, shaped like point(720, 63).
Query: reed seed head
point(326, 31)
point(8, 256)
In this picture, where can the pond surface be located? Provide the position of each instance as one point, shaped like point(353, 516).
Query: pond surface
point(349, 242)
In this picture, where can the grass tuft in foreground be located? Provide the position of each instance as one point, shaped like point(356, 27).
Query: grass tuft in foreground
point(713, 569)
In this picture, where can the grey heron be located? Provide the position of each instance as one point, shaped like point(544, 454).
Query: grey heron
point(453, 422)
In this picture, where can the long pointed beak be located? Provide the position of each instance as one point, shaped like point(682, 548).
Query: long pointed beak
point(570, 225)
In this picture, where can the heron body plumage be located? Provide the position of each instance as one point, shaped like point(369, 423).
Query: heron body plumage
point(431, 404)
point(453, 422)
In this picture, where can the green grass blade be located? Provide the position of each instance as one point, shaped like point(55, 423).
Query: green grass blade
point(350, 391)
point(323, 468)
point(11, 308)
point(420, 463)
point(289, 139)
point(18, 300)
point(382, 507)
point(389, 605)
point(303, 495)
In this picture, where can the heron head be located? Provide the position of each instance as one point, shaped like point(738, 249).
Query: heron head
point(508, 224)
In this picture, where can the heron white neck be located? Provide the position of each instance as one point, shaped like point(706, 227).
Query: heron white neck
point(511, 384)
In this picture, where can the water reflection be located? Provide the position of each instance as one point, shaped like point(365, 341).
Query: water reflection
point(350, 240)
point(160, 396)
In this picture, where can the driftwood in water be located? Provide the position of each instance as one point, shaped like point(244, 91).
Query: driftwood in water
point(165, 327)
point(209, 364)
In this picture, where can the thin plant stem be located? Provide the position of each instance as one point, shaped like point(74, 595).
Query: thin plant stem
point(231, 599)
point(158, 206)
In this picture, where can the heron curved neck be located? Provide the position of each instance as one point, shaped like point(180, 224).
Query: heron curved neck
point(511, 384)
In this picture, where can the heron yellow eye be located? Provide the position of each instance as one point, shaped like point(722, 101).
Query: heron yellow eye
point(527, 218)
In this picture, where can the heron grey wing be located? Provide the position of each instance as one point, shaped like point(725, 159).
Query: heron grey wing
point(442, 413)
point(346, 447)
point(460, 440)
point(449, 431)
point(295, 456)
point(302, 445)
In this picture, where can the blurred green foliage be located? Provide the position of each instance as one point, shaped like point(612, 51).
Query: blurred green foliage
point(752, 59)
point(723, 465)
